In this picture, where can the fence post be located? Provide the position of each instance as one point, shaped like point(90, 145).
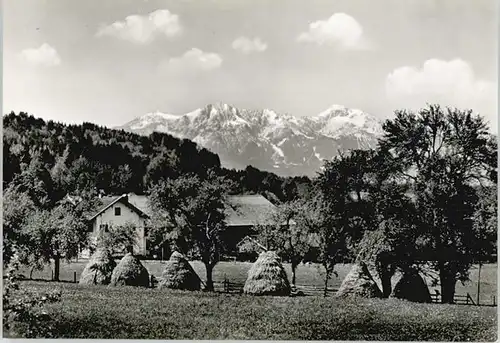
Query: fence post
point(51, 275)
point(74, 277)
point(478, 282)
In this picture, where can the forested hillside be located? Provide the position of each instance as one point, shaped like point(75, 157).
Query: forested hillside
point(53, 159)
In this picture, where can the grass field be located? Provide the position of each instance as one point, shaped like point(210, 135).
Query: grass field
point(306, 275)
point(108, 312)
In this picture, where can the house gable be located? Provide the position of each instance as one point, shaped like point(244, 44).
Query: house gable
point(120, 212)
point(122, 199)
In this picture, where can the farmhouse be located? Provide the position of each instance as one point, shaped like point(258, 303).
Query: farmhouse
point(121, 210)
point(243, 213)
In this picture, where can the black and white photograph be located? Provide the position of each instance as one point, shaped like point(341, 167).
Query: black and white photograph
point(274, 170)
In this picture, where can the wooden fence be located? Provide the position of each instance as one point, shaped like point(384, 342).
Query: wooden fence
point(232, 287)
point(308, 290)
point(227, 286)
point(314, 290)
point(463, 299)
point(237, 288)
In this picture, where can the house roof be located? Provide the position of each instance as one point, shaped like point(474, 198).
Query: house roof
point(248, 210)
point(139, 201)
point(109, 201)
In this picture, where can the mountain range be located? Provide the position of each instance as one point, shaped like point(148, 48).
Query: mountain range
point(271, 141)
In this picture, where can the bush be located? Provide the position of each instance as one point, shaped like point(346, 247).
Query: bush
point(23, 315)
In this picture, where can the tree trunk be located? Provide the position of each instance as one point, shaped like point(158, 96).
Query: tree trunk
point(57, 267)
point(385, 270)
point(385, 278)
point(210, 283)
point(327, 277)
point(448, 281)
point(294, 268)
point(325, 292)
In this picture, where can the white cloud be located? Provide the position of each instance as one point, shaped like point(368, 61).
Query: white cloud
point(192, 61)
point(340, 30)
point(45, 56)
point(144, 29)
point(449, 83)
point(247, 45)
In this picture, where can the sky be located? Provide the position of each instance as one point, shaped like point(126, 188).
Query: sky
point(110, 61)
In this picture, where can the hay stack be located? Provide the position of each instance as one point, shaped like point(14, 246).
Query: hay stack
point(359, 283)
point(130, 272)
point(99, 268)
point(178, 274)
point(412, 287)
point(267, 276)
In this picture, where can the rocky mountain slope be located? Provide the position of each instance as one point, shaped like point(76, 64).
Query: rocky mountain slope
point(280, 143)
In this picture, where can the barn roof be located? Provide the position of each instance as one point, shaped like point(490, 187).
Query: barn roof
point(248, 210)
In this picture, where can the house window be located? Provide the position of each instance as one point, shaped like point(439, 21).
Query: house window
point(118, 211)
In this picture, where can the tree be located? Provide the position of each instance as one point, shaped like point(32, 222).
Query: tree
point(35, 180)
point(119, 237)
point(190, 213)
point(60, 174)
point(344, 184)
point(54, 235)
point(330, 239)
point(389, 248)
point(82, 175)
point(17, 208)
point(485, 228)
point(443, 154)
point(163, 165)
point(390, 237)
point(287, 237)
point(11, 164)
point(486, 222)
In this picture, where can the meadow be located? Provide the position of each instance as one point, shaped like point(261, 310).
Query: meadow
point(310, 275)
point(128, 312)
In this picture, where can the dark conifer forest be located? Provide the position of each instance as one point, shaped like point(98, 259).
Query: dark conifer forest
point(63, 159)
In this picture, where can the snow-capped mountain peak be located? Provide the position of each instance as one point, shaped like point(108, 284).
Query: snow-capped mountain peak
point(267, 139)
point(339, 120)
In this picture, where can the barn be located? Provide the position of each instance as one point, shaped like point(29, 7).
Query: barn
point(243, 214)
